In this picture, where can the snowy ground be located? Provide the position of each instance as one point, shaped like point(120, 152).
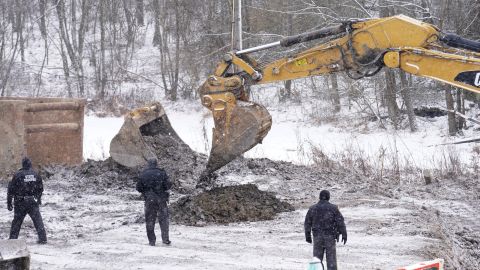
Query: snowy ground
point(290, 138)
point(394, 226)
point(102, 231)
point(388, 229)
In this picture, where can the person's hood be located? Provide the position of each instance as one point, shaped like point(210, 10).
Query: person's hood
point(152, 163)
point(324, 195)
point(26, 163)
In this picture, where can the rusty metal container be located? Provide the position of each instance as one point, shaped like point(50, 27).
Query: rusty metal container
point(48, 130)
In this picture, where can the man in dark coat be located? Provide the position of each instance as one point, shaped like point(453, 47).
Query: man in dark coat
point(326, 222)
point(153, 183)
point(26, 190)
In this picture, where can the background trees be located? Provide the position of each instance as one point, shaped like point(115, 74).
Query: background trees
point(125, 50)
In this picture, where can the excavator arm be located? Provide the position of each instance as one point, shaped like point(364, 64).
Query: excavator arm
point(359, 48)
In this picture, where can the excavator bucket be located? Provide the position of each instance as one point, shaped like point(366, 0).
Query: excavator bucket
point(128, 147)
point(236, 131)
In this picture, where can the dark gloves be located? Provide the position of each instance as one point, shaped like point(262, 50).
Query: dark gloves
point(344, 238)
point(39, 200)
point(9, 206)
point(308, 238)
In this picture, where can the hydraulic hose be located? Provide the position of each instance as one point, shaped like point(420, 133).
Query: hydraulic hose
point(321, 33)
point(457, 41)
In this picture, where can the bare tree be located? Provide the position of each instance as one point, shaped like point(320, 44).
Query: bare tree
point(74, 41)
point(335, 93)
point(452, 124)
point(139, 12)
point(390, 86)
point(157, 14)
point(42, 5)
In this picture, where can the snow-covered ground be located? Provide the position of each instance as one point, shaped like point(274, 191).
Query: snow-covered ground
point(291, 139)
point(102, 231)
point(276, 244)
point(384, 232)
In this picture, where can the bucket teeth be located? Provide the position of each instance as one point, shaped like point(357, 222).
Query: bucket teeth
point(237, 131)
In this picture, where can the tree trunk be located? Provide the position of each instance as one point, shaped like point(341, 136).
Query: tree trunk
point(130, 24)
point(288, 31)
point(66, 70)
point(246, 20)
point(5, 75)
point(156, 15)
point(19, 23)
point(452, 124)
point(285, 93)
point(461, 108)
point(101, 71)
point(334, 92)
point(391, 97)
point(139, 12)
point(73, 24)
point(390, 87)
point(174, 89)
point(42, 22)
point(407, 98)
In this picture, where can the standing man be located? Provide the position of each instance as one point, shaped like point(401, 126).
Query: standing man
point(326, 222)
point(153, 183)
point(26, 190)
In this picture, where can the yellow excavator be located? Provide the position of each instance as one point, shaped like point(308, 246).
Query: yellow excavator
point(361, 48)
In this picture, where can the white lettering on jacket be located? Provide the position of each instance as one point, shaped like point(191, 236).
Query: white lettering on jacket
point(30, 178)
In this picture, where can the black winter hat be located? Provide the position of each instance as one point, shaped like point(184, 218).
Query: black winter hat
point(324, 195)
point(152, 162)
point(26, 163)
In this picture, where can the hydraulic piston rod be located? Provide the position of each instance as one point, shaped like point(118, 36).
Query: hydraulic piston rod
point(289, 41)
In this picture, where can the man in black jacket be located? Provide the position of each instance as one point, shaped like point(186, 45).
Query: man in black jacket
point(26, 190)
point(326, 222)
point(153, 183)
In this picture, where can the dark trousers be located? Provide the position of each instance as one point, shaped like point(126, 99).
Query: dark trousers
point(156, 208)
point(325, 244)
point(29, 206)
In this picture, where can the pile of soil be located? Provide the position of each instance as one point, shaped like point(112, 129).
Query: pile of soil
point(93, 177)
point(181, 163)
point(226, 205)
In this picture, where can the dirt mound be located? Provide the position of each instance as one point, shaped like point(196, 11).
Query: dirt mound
point(93, 177)
point(228, 204)
point(182, 164)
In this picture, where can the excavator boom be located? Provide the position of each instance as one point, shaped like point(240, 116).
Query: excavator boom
point(359, 48)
